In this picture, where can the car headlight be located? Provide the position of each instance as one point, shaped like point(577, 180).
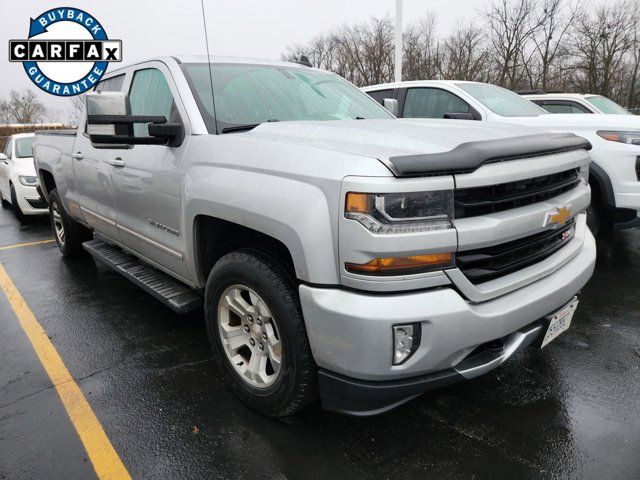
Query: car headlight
point(632, 138)
point(401, 212)
point(28, 180)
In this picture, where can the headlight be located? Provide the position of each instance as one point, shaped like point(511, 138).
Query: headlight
point(632, 138)
point(401, 212)
point(28, 181)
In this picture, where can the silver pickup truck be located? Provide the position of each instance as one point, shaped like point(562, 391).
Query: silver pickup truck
point(337, 251)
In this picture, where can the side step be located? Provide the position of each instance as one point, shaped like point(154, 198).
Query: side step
point(169, 291)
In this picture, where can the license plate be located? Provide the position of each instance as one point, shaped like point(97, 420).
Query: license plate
point(559, 322)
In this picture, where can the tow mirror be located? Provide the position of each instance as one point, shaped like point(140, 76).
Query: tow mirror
point(391, 104)
point(459, 116)
point(110, 123)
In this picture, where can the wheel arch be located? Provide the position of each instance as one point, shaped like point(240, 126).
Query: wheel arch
point(599, 179)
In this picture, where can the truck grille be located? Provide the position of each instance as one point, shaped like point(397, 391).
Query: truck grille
point(485, 264)
point(476, 201)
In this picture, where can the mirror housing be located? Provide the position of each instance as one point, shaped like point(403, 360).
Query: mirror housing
point(391, 104)
point(110, 123)
point(3, 157)
point(459, 116)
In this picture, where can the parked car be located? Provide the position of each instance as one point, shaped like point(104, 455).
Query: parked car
point(18, 179)
point(615, 171)
point(574, 103)
point(335, 248)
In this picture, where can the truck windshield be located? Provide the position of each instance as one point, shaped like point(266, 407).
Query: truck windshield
point(501, 101)
point(607, 106)
point(23, 147)
point(247, 95)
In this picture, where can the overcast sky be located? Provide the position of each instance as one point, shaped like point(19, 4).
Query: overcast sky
point(252, 28)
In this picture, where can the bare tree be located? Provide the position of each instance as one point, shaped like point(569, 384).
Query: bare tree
point(422, 57)
point(76, 109)
point(511, 25)
point(602, 43)
point(24, 107)
point(465, 55)
point(548, 41)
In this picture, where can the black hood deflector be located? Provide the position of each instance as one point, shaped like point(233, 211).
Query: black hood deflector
point(468, 157)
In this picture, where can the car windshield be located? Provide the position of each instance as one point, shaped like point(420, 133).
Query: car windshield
point(247, 95)
point(23, 147)
point(501, 101)
point(607, 106)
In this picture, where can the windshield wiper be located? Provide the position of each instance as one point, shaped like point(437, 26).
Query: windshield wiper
point(248, 126)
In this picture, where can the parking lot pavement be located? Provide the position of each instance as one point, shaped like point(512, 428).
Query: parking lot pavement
point(570, 411)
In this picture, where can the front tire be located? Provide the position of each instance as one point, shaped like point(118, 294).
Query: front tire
point(16, 207)
point(255, 327)
point(4, 203)
point(69, 234)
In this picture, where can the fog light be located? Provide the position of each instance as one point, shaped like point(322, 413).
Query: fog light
point(406, 340)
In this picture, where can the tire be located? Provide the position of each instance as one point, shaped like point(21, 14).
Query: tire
point(68, 233)
point(4, 203)
point(16, 208)
point(597, 219)
point(275, 301)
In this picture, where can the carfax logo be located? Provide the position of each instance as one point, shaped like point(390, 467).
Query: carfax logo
point(67, 51)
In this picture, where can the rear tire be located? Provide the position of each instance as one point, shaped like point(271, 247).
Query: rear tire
point(68, 233)
point(16, 208)
point(247, 291)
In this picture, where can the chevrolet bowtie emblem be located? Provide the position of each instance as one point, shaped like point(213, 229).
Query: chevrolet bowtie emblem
point(558, 217)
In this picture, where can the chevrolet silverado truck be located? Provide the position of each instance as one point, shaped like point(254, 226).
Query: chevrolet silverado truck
point(615, 168)
point(338, 252)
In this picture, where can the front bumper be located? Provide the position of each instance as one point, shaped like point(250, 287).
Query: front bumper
point(350, 332)
point(29, 200)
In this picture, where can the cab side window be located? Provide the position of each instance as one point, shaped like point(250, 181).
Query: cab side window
point(432, 103)
point(380, 95)
point(112, 84)
point(150, 95)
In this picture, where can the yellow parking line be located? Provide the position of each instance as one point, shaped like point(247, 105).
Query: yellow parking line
point(103, 456)
point(28, 244)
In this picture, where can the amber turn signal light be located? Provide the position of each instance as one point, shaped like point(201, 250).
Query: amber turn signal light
point(402, 265)
point(359, 202)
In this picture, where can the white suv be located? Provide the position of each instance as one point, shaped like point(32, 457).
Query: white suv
point(574, 103)
point(615, 170)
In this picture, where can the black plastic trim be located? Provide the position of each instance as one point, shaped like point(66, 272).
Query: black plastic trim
point(600, 177)
point(468, 157)
point(355, 397)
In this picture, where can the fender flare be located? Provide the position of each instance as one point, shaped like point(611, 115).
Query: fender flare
point(598, 176)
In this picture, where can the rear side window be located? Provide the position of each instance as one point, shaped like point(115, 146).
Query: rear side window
point(432, 103)
point(150, 95)
point(564, 107)
point(380, 95)
point(112, 84)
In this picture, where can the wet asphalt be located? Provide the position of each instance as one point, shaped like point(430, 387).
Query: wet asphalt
point(569, 411)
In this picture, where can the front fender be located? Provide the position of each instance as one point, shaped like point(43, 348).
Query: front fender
point(287, 208)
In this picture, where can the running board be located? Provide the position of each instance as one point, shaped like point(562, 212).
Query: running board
point(169, 291)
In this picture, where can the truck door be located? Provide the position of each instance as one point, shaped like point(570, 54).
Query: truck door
point(93, 169)
point(148, 182)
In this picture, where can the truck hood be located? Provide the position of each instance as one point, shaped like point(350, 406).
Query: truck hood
point(569, 122)
point(383, 139)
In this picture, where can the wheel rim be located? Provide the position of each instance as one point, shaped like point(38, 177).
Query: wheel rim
point(57, 223)
point(249, 336)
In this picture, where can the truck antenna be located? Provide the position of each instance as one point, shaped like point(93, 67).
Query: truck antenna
point(206, 39)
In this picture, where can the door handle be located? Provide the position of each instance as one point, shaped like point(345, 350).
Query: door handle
point(77, 156)
point(116, 162)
